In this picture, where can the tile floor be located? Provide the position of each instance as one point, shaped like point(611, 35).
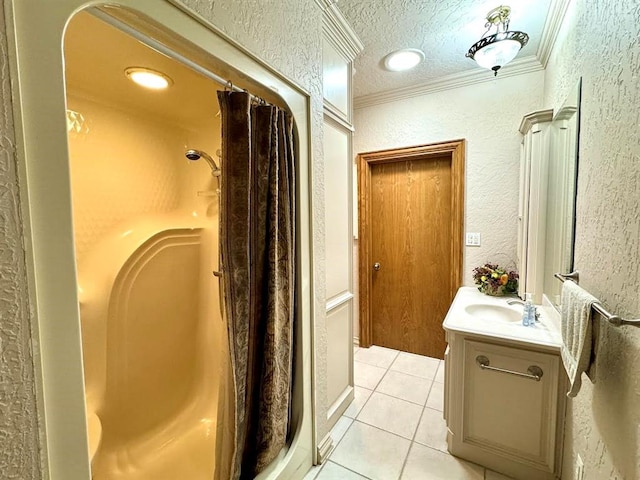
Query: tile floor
point(394, 428)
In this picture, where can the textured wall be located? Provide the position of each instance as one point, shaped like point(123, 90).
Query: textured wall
point(19, 444)
point(600, 41)
point(287, 35)
point(487, 116)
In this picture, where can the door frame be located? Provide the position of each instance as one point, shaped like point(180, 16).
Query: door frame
point(35, 31)
point(456, 151)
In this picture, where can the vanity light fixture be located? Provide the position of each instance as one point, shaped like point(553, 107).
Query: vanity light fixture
point(493, 51)
point(404, 59)
point(147, 78)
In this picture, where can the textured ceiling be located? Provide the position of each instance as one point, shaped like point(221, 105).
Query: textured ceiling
point(443, 29)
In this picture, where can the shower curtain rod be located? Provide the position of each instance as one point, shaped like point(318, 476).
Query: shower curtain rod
point(160, 47)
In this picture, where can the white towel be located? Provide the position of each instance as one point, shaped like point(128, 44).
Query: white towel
point(576, 333)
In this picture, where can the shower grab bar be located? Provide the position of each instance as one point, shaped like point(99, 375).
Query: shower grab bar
point(533, 372)
point(616, 320)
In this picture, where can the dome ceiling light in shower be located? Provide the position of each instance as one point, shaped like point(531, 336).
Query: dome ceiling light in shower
point(496, 50)
point(147, 78)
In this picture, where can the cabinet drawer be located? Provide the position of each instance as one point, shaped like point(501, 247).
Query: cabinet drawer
point(511, 415)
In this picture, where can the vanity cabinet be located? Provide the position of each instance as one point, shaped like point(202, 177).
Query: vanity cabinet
point(532, 205)
point(507, 422)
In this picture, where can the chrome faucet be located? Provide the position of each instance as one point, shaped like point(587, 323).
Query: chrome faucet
point(514, 301)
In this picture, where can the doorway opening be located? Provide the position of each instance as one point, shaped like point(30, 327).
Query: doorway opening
point(146, 223)
point(43, 146)
point(411, 216)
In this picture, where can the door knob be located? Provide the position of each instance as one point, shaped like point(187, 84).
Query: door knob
point(376, 266)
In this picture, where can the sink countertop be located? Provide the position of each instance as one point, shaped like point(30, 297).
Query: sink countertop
point(546, 332)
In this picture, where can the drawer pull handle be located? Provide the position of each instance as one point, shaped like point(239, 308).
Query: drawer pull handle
point(533, 372)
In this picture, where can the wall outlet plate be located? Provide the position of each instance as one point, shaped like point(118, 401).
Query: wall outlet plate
point(473, 239)
point(579, 468)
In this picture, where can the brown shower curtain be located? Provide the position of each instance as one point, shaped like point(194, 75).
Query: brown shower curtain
point(258, 260)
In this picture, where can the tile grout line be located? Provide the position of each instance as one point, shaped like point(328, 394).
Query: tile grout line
point(403, 399)
point(382, 430)
point(319, 472)
point(342, 437)
point(423, 406)
point(386, 370)
point(416, 376)
point(373, 389)
point(354, 419)
point(345, 433)
point(413, 439)
point(431, 380)
point(352, 471)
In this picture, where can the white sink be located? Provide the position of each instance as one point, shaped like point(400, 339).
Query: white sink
point(494, 312)
point(479, 314)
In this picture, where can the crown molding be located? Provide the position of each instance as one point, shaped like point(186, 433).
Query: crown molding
point(530, 119)
point(518, 67)
point(553, 22)
point(555, 17)
point(336, 29)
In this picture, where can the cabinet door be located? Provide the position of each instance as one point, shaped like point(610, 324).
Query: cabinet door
point(532, 211)
point(336, 80)
point(507, 414)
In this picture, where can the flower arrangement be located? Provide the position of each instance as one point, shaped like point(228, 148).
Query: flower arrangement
point(494, 280)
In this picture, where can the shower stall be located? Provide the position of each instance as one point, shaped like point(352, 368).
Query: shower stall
point(146, 220)
point(136, 376)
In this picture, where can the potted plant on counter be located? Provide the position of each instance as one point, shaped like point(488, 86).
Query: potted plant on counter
point(495, 280)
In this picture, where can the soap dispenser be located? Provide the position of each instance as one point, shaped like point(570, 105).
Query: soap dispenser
point(528, 312)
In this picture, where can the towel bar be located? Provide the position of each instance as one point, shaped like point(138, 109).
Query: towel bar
point(610, 317)
point(534, 372)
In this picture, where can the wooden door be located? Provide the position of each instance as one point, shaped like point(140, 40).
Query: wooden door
point(411, 229)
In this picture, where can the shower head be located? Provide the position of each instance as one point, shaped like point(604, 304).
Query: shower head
point(197, 154)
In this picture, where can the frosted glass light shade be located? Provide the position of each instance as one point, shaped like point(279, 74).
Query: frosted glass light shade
point(495, 51)
point(404, 59)
point(497, 54)
point(147, 78)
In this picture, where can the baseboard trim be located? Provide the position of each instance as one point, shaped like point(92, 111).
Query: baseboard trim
point(325, 447)
point(339, 406)
point(356, 341)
